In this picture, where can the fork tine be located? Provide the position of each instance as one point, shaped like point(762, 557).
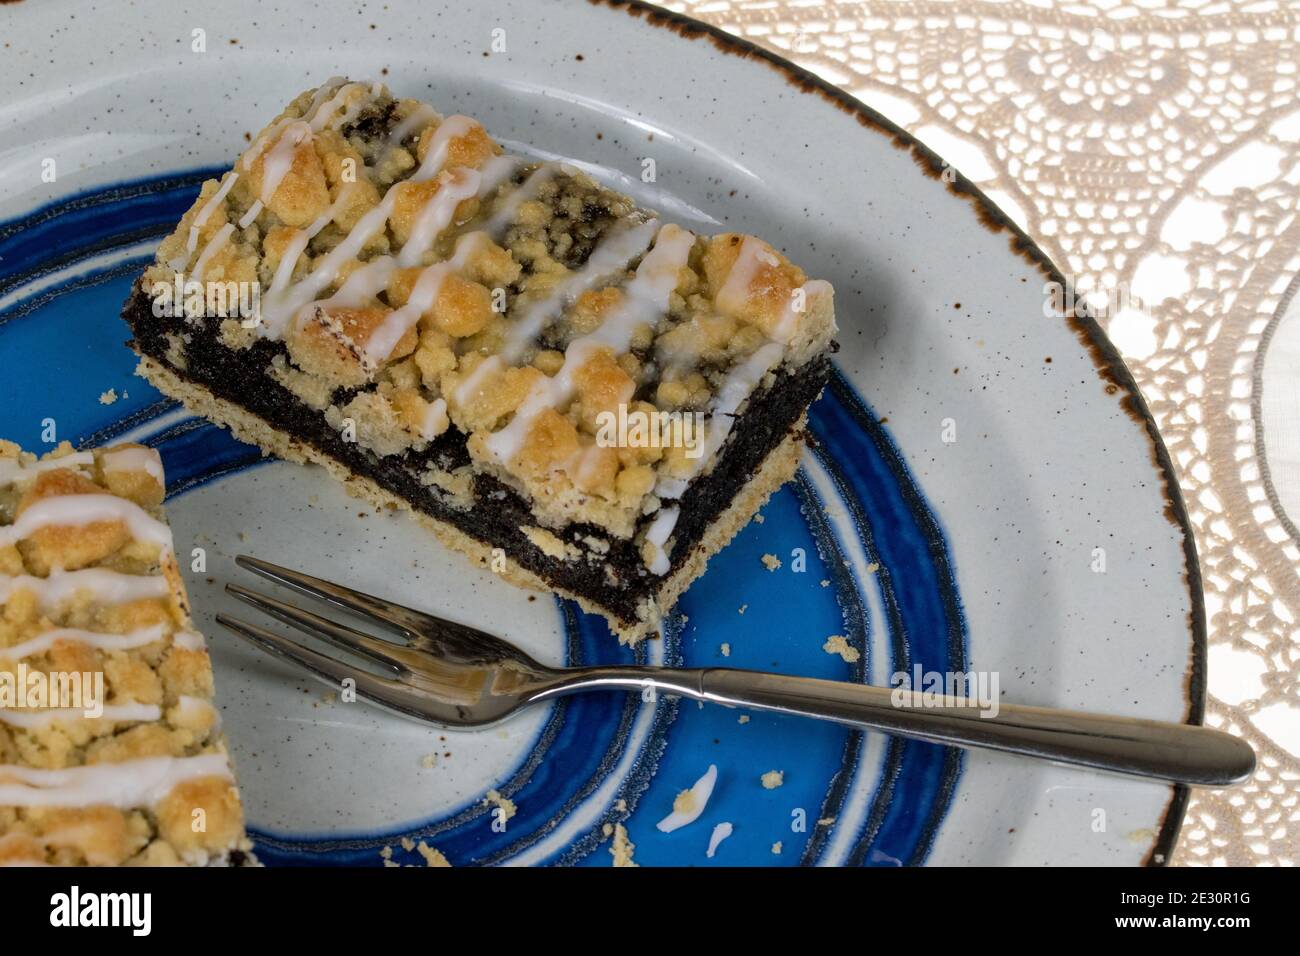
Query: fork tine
point(340, 635)
point(393, 615)
point(379, 690)
point(423, 630)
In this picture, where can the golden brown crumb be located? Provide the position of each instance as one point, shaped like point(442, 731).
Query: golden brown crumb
point(772, 779)
point(431, 856)
point(771, 562)
point(622, 848)
point(506, 806)
point(684, 802)
point(838, 644)
point(109, 397)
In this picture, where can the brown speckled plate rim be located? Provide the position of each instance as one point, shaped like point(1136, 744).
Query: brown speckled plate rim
point(1106, 357)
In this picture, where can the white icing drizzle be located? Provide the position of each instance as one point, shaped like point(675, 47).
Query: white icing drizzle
point(528, 189)
point(353, 111)
point(735, 388)
point(133, 458)
point(324, 115)
point(363, 284)
point(127, 785)
point(122, 713)
point(788, 323)
point(294, 133)
point(100, 641)
point(587, 459)
point(287, 301)
point(83, 510)
point(435, 419)
point(280, 304)
point(189, 640)
point(424, 294)
point(202, 217)
point(276, 128)
point(437, 213)
point(608, 257)
point(254, 211)
point(192, 707)
point(219, 239)
point(284, 302)
point(696, 802)
point(453, 127)
point(657, 534)
point(421, 116)
point(107, 587)
point(754, 252)
point(494, 172)
point(289, 133)
point(14, 470)
point(645, 298)
point(720, 833)
point(280, 159)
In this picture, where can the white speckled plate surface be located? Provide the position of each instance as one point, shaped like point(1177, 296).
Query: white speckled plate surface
point(986, 492)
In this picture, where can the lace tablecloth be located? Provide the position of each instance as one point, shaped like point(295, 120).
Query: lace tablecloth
point(1152, 148)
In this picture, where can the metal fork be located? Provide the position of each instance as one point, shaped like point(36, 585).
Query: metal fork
point(453, 675)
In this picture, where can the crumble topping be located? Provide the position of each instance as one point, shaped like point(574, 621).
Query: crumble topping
point(135, 770)
point(418, 279)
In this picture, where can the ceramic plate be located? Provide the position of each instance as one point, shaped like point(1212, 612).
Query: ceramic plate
point(986, 491)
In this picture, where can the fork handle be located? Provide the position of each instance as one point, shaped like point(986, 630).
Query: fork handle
point(1181, 753)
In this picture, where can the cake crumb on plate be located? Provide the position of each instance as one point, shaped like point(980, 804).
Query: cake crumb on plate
point(506, 805)
point(431, 856)
point(838, 644)
point(622, 848)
